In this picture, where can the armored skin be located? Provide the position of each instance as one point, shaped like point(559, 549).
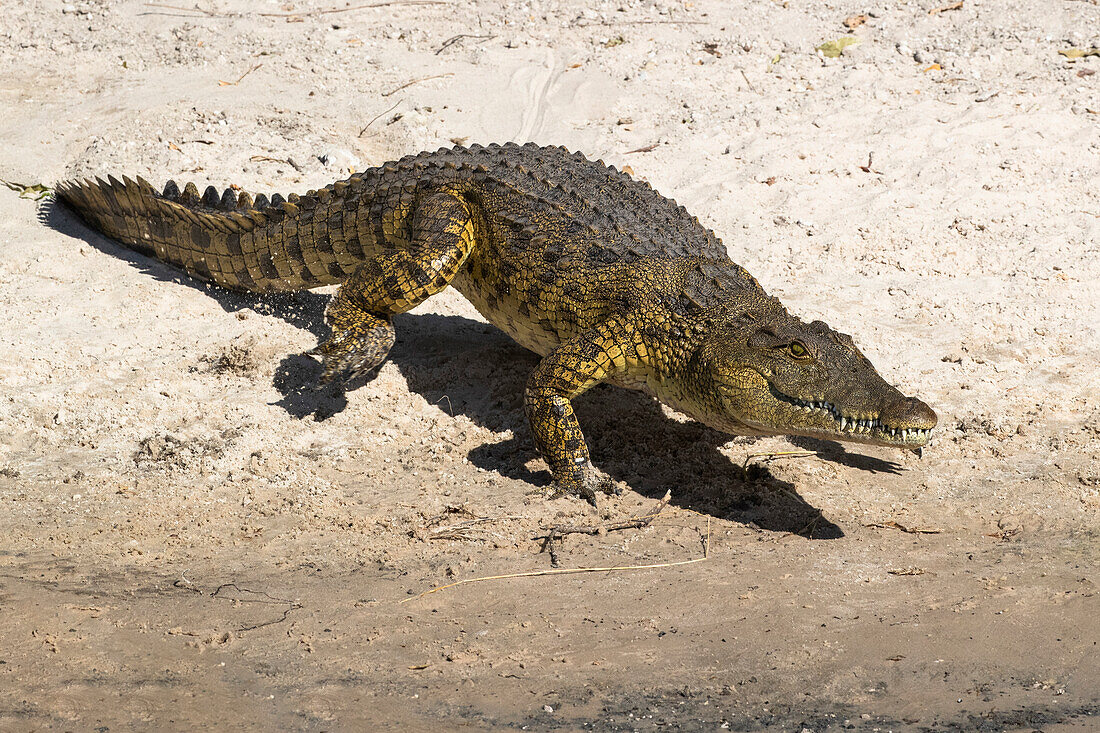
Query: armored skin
point(596, 272)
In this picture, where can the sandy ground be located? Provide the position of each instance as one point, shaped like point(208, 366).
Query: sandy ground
point(192, 536)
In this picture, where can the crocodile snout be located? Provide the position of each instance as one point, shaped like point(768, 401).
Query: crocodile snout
point(909, 413)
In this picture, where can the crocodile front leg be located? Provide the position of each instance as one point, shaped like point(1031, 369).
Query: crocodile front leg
point(574, 367)
point(442, 235)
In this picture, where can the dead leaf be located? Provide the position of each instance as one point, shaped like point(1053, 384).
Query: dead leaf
point(770, 180)
point(1086, 72)
point(855, 21)
point(612, 42)
point(33, 191)
point(173, 146)
point(833, 49)
point(933, 67)
point(1076, 53)
point(628, 170)
point(712, 49)
point(942, 8)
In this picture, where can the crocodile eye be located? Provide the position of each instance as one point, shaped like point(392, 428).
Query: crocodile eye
point(798, 350)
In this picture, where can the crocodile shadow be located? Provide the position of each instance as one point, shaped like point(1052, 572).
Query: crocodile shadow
point(469, 367)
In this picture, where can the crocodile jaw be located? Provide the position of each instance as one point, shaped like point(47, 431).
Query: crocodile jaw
point(906, 423)
point(900, 423)
point(761, 409)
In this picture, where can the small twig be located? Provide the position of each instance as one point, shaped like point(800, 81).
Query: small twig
point(771, 456)
point(288, 161)
point(375, 118)
point(454, 531)
point(639, 522)
point(746, 77)
point(646, 149)
point(455, 39)
point(410, 83)
point(450, 407)
point(552, 540)
point(642, 22)
point(328, 11)
point(908, 530)
point(292, 605)
point(953, 6)
point(550, 545)
point(556, 571)
point(208, 13)
point(189, 585)
point(239, 79)
point(272, 622)
point(571, 571)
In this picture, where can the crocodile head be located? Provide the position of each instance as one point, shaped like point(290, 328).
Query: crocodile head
point(773, 374)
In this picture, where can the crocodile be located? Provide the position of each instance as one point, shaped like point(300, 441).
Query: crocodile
point(592, 269)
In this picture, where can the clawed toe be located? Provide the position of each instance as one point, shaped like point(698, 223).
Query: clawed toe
point(586, 484)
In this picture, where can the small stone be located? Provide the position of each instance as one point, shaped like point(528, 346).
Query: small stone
point(547, 709)
point(341, 159)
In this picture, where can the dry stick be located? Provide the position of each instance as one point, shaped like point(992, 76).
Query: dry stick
point(208, 13)
point(375, 118)
point(639, 522)
point(288, 161)
point(908, 530)
point(942, 8)
point(449, 531)
point(352, 7)
point(646, 149)
point(414, 81)
point(549, 541)
point(239, 79)
point(746, 76)
point(777, 454)
point(455, 39)
point(291, 605)
point(643, 22)
point(571, 571)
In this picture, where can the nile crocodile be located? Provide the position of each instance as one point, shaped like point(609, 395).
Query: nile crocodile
point(593, 270)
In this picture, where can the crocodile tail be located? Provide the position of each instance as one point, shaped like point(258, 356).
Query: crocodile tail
point(227, 238)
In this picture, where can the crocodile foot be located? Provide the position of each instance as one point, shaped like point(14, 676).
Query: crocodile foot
point(359, 343)
point(584, 483)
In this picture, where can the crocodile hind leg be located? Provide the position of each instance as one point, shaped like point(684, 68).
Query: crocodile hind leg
point(441, 237)
point(565, 373)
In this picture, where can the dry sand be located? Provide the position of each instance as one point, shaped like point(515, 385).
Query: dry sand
point(191, 536)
